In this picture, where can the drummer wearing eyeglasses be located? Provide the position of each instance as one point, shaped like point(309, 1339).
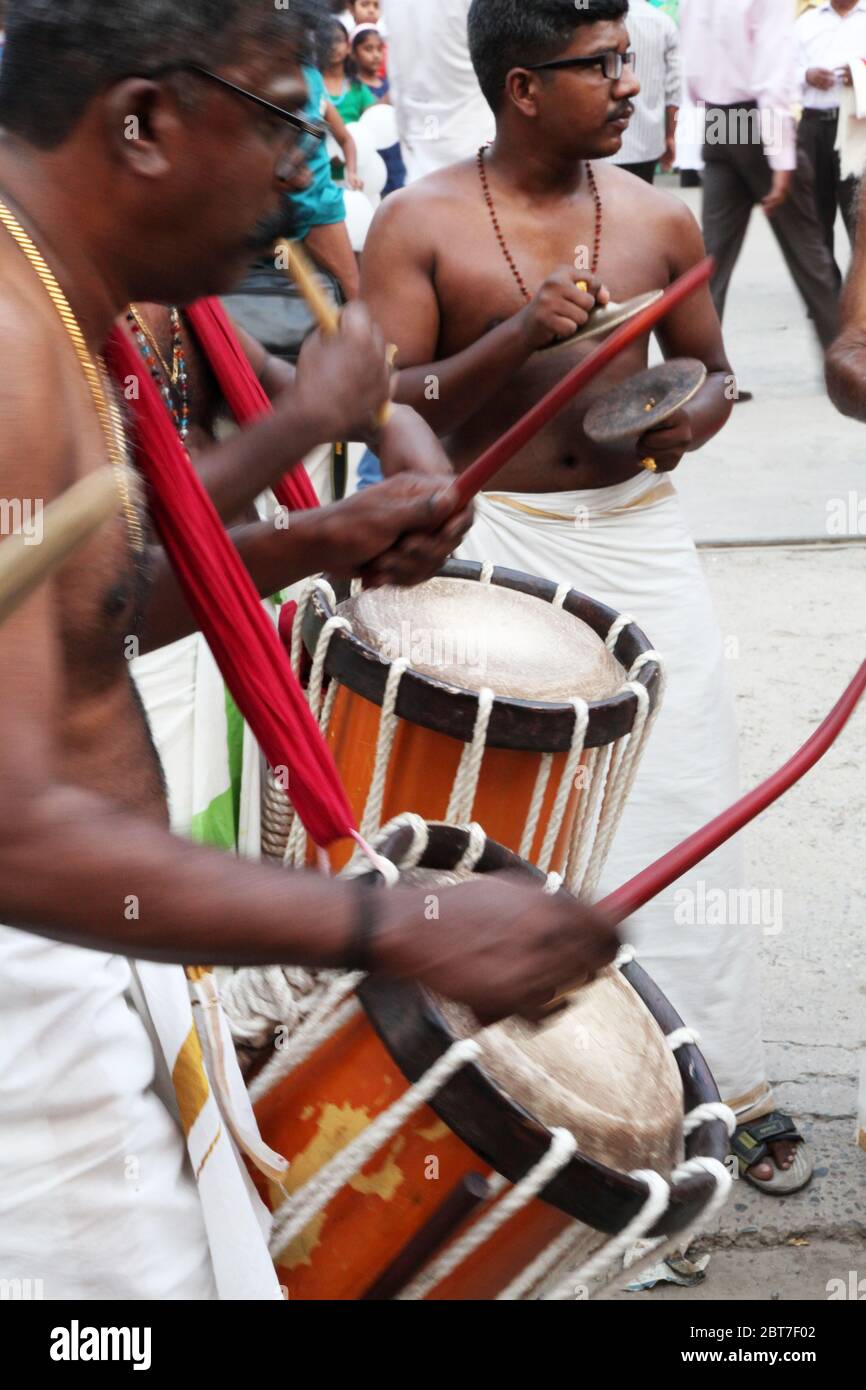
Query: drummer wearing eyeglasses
point(481, 273)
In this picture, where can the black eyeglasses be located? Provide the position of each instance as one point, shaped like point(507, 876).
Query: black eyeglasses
point(315, 130)
point(611, 64)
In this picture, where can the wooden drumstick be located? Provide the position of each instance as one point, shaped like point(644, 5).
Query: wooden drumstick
point(301, 269)
point(66, 524)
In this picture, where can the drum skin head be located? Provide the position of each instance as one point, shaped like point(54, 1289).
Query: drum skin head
point(644, 402)
point(600, 1069)
point(471, 635)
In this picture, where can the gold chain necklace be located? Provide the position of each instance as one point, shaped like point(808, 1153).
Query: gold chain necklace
point(172, 372)
point(95, 373)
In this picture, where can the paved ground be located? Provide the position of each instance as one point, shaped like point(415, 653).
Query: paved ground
point(796, 617)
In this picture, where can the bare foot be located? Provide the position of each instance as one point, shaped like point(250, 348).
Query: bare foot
point(783, 1154)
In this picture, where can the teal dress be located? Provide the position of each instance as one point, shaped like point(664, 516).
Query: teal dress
point(322, 204)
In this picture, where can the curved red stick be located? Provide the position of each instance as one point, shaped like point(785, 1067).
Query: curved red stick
point(478, 475)
point(652, 881)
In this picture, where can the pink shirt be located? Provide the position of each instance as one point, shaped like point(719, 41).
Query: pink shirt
point(746, 50)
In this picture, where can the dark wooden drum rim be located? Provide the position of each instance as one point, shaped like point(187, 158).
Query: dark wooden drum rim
point(501, 1132)
point(447, 709)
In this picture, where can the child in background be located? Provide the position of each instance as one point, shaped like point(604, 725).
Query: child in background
point(368, 60)
point(368, 54)
point(350, 96)
point(367, 12)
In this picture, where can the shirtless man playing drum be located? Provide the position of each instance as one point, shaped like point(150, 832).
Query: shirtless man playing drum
point(473, 272)
point(111, 173)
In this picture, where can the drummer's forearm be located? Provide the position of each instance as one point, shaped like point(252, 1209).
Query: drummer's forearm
point(450, 392)
point(118, 882)
point(710, 409)
point(276, 554)
point(235, 473)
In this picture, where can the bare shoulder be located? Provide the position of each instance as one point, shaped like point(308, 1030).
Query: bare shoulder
point(646, 200)
point(662, 217)
point(35, 430)
point(418, 216)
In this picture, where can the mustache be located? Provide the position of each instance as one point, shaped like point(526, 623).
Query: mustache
point(267, 230)
point(622, 113)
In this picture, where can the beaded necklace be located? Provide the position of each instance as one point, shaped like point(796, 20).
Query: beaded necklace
point(488, 198)
point(168, 379)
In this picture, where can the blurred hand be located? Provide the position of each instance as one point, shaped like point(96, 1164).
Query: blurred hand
point(407, 444)
point(400, 532)
point(783, 180)
point(560, 308)
point(344, 380)
point(668, 159)
point(822, 78)
point(353, 181)
point(668, 443)
point(501, 946)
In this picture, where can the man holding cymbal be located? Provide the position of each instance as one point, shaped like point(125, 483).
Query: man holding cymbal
point(480, 274)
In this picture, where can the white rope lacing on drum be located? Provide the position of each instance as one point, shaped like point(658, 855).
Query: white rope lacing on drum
point(710, 1110)
point(545, 1266)
point(561, 595)
point(258, 1002)
point(662, 1247)
point(465, 788)
point(654, 1207)
point(297, 1211)
point(566, 783)
point(563, 1146)
point(625, 955)
point(681, 1037)
point(534, 813)
point(617, 628)
point(596, 771)
point(486, 575)
point(553, 884)
point(317, 674)
point(330, 1015)
point(474, 849)
point(625, 766)
point(384, 748)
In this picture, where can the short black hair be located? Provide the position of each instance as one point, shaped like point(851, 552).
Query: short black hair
point(60, 53)
point(506, 34)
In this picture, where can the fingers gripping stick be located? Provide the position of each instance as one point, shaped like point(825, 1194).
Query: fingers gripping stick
point(301, 270)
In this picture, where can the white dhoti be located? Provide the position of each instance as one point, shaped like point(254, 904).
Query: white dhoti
point(101, 1084)
point(629, 547)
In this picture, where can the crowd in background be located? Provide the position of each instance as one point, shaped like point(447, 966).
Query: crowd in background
point(396, 87)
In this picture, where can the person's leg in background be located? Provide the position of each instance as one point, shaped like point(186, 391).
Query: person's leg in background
point(816, 139)
point(798, 230)
point(728, 204)
point(330, 247)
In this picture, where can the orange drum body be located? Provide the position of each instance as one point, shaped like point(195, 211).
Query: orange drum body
point(463, 699)
point(603, 1071)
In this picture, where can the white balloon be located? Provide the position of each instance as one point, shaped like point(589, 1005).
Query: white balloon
point(381, 122)
point(375, 176)
point(359, 215)
point(364, 142)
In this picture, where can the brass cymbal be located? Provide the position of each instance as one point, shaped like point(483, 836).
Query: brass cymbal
point(605, 320)
point(643, 402)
